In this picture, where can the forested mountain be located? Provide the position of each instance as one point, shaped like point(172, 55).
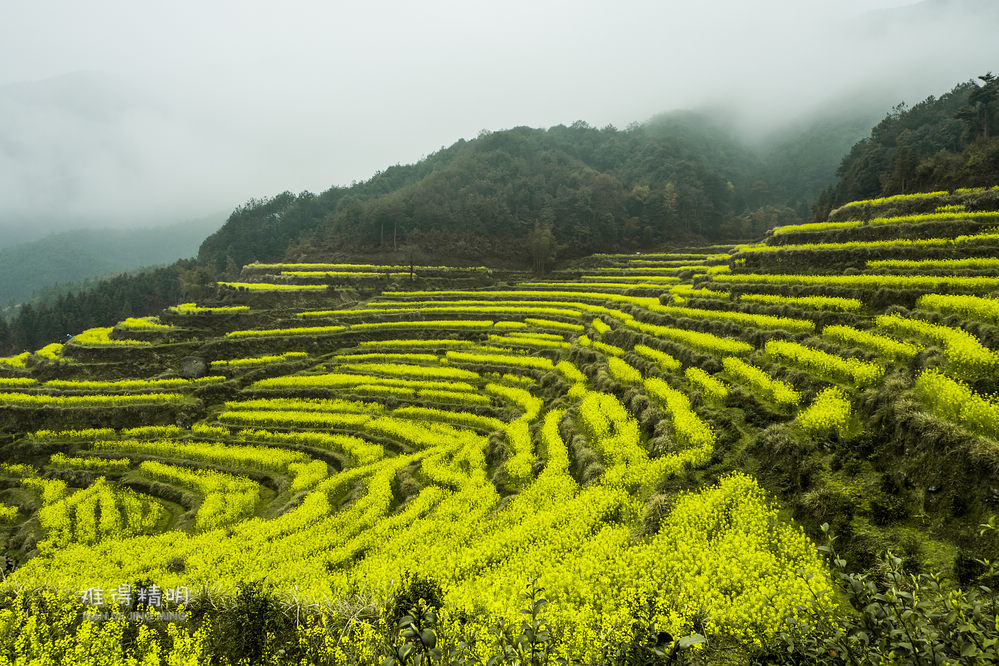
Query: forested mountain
point(940, 143)
point(677, 176)
point(596, 188)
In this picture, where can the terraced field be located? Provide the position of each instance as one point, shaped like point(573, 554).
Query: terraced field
point(643, 436)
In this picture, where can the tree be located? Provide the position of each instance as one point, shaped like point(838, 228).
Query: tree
point(196, 282)
point(413, 254)
point(6, 340)
point(232, 269)
point(903, 171)
point(978, 112)
point(541, 242)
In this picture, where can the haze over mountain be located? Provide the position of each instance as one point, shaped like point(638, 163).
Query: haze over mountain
point(117, 115)
point(70, 257)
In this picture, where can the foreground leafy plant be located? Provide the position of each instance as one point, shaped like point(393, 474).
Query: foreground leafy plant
point(896, 617)
point(534, 643)
point(419, 641)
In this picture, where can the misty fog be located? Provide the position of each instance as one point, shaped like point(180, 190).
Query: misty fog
point(132, 114)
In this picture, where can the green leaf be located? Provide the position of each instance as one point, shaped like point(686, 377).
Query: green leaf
point(428, 638)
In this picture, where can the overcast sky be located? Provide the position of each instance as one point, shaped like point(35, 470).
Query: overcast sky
point(126, 113)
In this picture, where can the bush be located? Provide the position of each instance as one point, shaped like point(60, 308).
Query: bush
point(657, 508)
point(174, 565)
point(252, 625)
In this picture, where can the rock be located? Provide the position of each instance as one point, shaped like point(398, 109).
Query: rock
point(192, 367)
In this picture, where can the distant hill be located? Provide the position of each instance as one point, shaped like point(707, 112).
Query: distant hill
point(76, 256)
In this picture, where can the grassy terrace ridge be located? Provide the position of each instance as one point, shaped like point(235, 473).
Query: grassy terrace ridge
point(950, 283)
point(657, 445)
point(979, 216)
point(956, 198)
point(347, 268)
point(990, 238)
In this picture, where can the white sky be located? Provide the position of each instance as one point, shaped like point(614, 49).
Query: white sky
point(129, 112)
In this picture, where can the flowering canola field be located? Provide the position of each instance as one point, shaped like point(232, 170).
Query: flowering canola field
point(488, 439)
